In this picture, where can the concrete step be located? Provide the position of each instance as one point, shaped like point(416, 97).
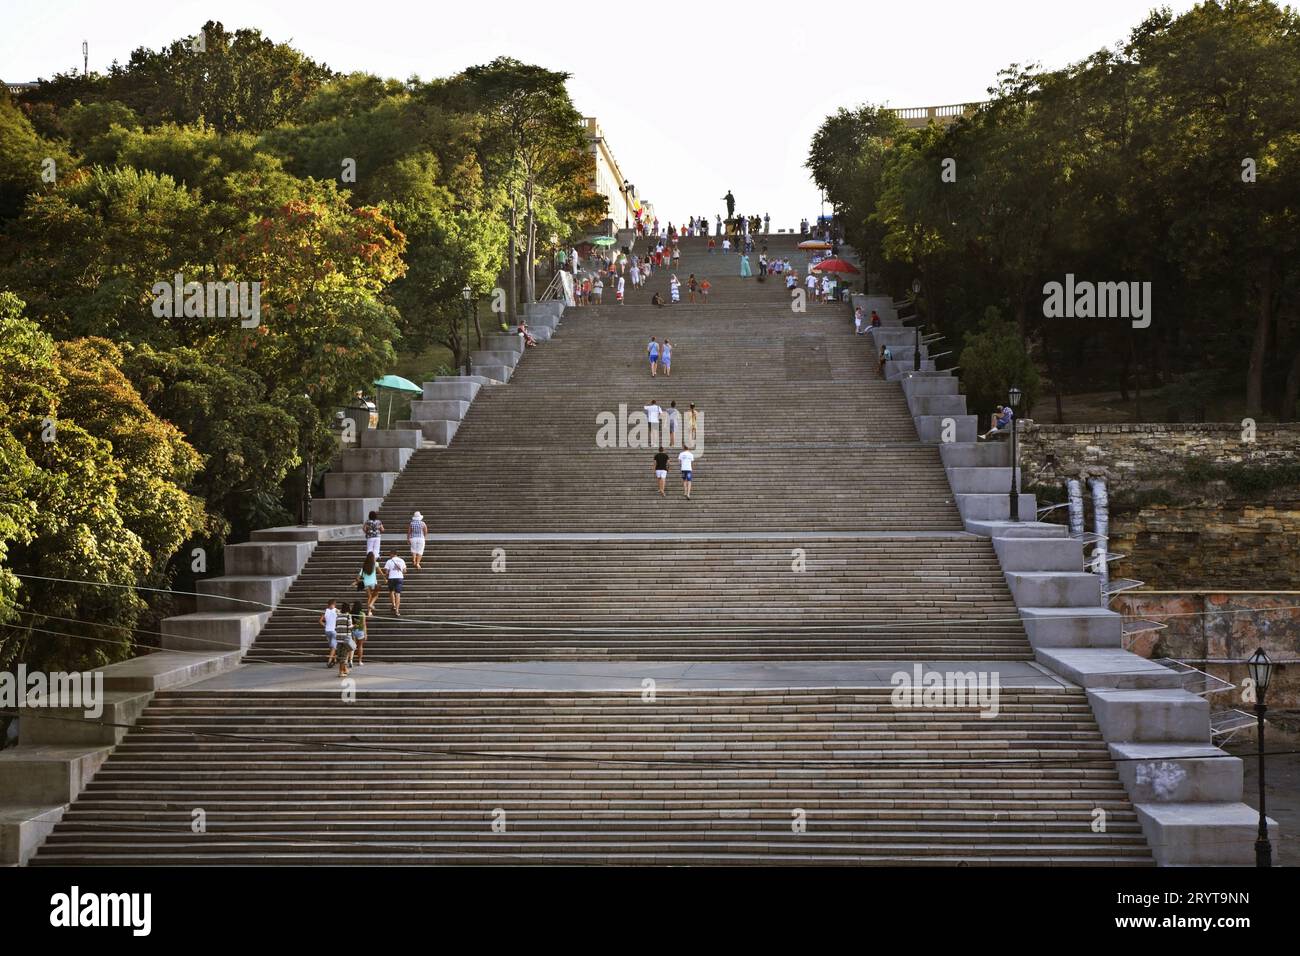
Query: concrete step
point(994, 507)
point(1178, 773)
point(990, 481)
point(344, 510)
point(390, 438)
point(1039, 554)
point(213, 631)
point(942, 405)
point(1202, 834)
point(1055, 588)
point(449, 390)
point(1151, 716)
point(241, 593)
point(23, 828)
point(486, 358)
point(267, 558)
point(973, 454)
point(440, 432)
point(944, 429)
point(992, 528)
point(1072, 626)
point(440, 410)
point(360, 484)
point(375, 459)
point(706, 777)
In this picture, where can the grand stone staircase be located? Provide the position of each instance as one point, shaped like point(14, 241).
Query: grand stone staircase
point(785, 777)
point(587, 672)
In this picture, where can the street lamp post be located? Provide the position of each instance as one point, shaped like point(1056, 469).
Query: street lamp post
point(916, 350)
point(468, 293)
point(309, 466)
point(311, 469)
point(1013, 501)
point(1261, 670)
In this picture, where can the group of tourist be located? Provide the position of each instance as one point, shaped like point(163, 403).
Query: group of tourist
point(345, 623)
point(661, 356)
point(733, 226)
point(695, 226)
point(694, 287)
point(861, 322)
point(622, 269)
point(670, 419)
point(744, 245)
point(822, 290)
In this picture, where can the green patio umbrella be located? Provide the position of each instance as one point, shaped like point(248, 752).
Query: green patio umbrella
point(397, 384)
point(603, 241)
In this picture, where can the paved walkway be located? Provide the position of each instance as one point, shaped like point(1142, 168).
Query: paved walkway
point(622, 676)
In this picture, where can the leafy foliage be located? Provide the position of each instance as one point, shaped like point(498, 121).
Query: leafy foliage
point(993, 360)
point(1130, 165)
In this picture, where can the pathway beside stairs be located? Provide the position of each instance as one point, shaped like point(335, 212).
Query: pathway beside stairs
point(585, 672)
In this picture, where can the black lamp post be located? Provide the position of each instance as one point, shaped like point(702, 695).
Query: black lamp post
point(309, 467)
point(1013, 399)
point(311, 470)
point(1261, 669)
point(468, 293)
point(916, 350)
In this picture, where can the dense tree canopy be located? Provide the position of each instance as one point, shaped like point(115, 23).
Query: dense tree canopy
point(94, 502)
point(1171, 159)
point(355, 207)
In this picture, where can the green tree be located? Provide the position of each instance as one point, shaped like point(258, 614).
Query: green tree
point(533, 147)
point(23, 160)
point(847, 160)
point(237, 81)
point(993, 360)
point(94, 504)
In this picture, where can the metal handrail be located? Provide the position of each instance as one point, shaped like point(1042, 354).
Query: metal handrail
point(552, 290)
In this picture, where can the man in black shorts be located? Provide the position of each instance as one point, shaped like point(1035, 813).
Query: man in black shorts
point(661, 470)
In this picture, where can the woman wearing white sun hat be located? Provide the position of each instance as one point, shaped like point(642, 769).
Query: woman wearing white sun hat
point(415, 533)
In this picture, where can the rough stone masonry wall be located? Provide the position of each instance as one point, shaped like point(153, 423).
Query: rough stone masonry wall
point(1181, 534)
point(1202, 627)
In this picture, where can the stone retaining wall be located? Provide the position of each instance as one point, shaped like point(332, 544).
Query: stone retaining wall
point(1223, 625)
point(1180, 533)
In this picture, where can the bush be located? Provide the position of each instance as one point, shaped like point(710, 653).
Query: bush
point(994, 359)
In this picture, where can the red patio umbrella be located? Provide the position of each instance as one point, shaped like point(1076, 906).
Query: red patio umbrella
point(837, 266)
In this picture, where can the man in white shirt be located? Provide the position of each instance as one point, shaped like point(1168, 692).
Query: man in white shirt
point(329, 620)
point(726, 244)
point(686, 460)
point(395, 571)
point(652, 413)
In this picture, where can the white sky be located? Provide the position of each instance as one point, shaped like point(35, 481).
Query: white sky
point(695, 98)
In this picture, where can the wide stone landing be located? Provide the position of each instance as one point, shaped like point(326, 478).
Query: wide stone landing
point(629, 675)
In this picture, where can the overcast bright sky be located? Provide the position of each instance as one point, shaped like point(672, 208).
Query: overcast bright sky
point(695, 98)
